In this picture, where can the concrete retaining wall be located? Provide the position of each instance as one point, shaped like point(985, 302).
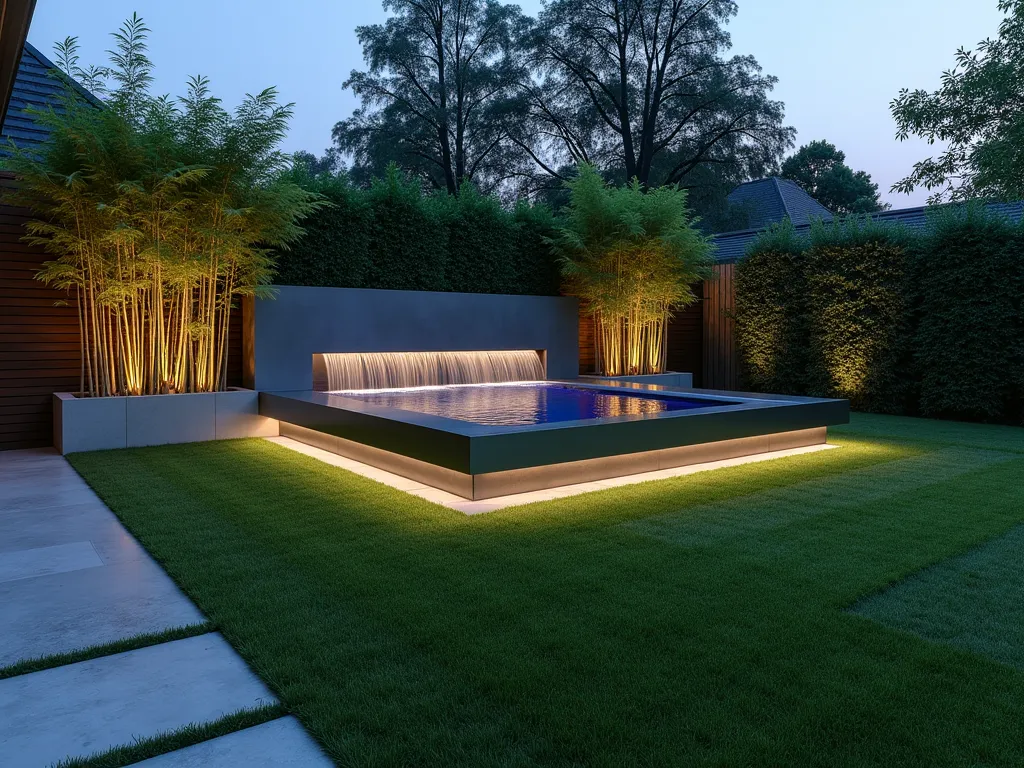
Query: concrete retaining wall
point(281, 335)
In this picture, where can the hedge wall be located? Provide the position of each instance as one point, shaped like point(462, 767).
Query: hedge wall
point(969, 340)
point(858, 315)
point(926, 323)
point(771, 320)
point(393, 236)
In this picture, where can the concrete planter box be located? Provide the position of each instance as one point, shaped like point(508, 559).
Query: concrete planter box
point(669, 379)
point(102, 423)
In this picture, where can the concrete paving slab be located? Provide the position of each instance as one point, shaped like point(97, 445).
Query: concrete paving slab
point(281, 743)
point(80, 709)
point(10, 458)
point(68, 611)
point(43, 561)
point(48, 526)
point(45, 614)
point(34, 495)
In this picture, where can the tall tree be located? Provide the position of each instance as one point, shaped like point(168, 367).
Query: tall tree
point(821, 169)
point(644, 87)
point(438, 94)
point(978, 113)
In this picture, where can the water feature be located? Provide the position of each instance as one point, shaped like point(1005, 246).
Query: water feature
point(390, 370)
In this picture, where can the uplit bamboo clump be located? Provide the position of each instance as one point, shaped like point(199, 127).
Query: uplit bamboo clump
point(636, 344)
point(631, 256)
point(159, 214)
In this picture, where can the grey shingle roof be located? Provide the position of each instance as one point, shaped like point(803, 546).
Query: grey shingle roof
point(770, 200)
point(729, 247)
point(33, 88)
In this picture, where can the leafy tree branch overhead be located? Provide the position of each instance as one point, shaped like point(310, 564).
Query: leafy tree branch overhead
point(977, 114)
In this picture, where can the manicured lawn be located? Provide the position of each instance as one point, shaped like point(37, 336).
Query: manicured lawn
point(704, 619)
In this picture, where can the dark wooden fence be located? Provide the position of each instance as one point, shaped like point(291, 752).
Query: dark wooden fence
point(38, 340)
point(720, 361)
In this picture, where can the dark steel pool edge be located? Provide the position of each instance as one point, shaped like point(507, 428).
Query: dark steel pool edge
point(471, 452)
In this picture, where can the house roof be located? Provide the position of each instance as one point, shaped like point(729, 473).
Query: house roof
point(34, 87)
point(729, 247)
point(771, 200)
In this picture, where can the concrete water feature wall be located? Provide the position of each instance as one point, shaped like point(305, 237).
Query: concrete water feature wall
point(281, 335)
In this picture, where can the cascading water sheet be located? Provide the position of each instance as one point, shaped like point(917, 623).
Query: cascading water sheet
point(391, 370)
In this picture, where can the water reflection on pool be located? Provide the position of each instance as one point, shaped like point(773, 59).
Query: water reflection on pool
point(527, 402)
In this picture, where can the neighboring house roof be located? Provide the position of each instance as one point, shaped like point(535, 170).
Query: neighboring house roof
point(770, 200)
point(731, 246)
point(34, 87)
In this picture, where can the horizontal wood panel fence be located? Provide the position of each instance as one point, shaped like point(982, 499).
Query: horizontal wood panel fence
point(39, 352)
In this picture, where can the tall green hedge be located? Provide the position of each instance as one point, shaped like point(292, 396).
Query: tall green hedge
point(394, 236)
point(772, 318)
point(970, 331)
point(858, 315)
point(926, 323)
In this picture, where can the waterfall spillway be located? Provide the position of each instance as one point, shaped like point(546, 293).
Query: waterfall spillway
point(390, 370)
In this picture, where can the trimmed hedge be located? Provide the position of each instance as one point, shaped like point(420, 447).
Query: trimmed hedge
point(772, 318)
point(857, 308)
point(926, 323)
point(393, 236)
point(969, 344)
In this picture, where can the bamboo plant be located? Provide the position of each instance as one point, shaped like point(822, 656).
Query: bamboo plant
point(160, 213)
point(631, 255)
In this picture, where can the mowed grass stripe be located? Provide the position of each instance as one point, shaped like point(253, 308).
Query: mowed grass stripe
point(974, 601)
point(752, 515)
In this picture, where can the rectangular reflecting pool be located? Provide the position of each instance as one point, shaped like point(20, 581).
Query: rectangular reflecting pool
point(485, 440)
point(533, 402)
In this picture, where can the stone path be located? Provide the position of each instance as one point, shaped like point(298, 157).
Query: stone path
point(72, 577)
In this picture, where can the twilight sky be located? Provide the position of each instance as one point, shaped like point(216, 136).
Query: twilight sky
point(839, 62)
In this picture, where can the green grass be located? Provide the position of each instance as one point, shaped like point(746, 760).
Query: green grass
point(702, 619)
point(132, 643)
point(143, 749)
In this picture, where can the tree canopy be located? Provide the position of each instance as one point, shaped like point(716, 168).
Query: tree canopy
point(978, 114)
point(473, 90)
point(438, 96)
point(645, 88)
point(822, 171)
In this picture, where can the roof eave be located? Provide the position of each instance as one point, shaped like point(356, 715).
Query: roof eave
point(15, 17)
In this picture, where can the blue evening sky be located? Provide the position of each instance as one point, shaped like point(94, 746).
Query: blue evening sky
point(839, 62)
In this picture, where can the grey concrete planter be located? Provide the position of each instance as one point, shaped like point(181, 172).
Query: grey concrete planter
point(101, 423)
point(670, 379)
